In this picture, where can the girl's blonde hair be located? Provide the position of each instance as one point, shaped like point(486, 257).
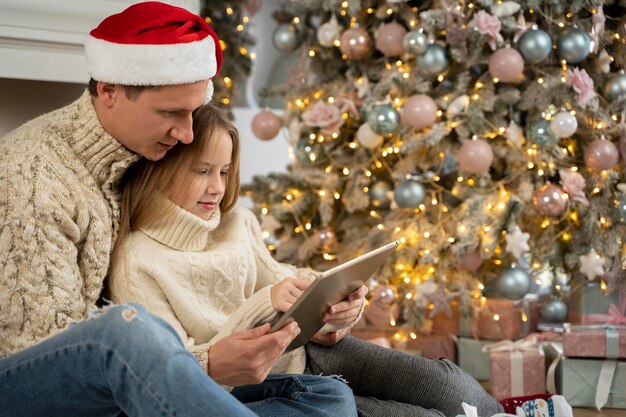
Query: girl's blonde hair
point(147, 179)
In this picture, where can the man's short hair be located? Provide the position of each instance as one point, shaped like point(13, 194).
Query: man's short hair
point(131, 91)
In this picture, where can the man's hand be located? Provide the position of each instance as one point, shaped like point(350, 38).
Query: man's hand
point(286, 292)
point(346, 311)
point(247, 357)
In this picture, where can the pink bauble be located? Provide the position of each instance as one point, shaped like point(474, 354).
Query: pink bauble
point(420, 111)
point(475, 156)
point(356, 43)
point(601, 154)
point(507, 65)
point(384, 295)
point(470, 261)
point(389, 39)
point(550, 200)
point(266, 125)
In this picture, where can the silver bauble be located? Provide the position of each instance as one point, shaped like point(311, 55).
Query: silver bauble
point(415, 42)
point(514, 283)
point(535, 45)
point(573, 46)
point(310, 153)
point(285, 37)
point(379, 193)
point(539, 133)
point(433, 61)
point(384, 119)
point(409, 194)
point(615, 87)
point(554, 311)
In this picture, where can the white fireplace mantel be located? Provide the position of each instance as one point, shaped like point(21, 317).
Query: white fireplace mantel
point(43, 39)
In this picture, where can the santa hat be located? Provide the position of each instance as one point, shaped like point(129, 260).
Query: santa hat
point(153, 43)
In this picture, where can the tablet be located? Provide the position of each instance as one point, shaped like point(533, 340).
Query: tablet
point(333, 286)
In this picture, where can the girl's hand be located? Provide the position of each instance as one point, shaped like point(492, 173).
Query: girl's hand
point(346, 311)
point(286, 292)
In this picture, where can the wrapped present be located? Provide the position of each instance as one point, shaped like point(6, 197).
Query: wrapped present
point(551, 406)
point(501, 318)
point(472, 359)
point(380, 315)
point(593, 382)
point(589, 305)
point(434, 346)
point(456, 323)
point(516, 368)
point(594, 341)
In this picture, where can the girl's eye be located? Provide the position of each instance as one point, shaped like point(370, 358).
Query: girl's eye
point(202, 171)
point(224, 173)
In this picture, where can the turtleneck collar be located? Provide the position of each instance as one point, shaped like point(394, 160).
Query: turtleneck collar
point(103, 155)
point(180, 229)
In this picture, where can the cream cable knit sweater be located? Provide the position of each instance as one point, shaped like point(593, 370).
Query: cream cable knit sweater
point(208, 279)
point(59, 215)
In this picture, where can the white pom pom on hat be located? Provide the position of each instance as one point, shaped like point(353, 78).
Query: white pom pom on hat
point(152, 44)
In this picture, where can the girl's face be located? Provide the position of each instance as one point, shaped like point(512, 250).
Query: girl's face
point(205, 184)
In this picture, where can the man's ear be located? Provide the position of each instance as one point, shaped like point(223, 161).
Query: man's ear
point(108, 93)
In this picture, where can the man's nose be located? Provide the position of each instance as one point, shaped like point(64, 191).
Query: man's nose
point(183, 131)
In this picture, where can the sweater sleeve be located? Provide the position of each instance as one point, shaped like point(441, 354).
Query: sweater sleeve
point(270, 272)
point(43, 262)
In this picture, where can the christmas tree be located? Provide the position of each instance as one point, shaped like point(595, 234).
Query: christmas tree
point(483, 135)
point(230, 20)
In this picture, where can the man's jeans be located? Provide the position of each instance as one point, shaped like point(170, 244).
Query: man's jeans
point(125, 360)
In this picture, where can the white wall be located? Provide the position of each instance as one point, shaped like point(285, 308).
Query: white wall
point(41, 75)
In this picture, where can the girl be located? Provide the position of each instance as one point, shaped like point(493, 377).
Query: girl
point(193, 258)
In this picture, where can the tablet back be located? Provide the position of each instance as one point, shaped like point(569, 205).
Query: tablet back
point(333, 286)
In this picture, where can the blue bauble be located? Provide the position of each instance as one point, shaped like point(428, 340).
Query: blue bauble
point(535, 45)
point(433, 61)
point(615, 87)
point(620, 210)
point(310, 153)
point(554, 311)
point(573, 46)
point(415, 42)
point(514, 283)
point(539, 133)
point(384, 119)
point(409, 194)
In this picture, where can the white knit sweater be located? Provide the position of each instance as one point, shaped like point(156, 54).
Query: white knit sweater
point(208, 279)
point(59, 211)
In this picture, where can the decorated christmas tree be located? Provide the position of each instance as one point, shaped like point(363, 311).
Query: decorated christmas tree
point(230, 20)
point(483, 135)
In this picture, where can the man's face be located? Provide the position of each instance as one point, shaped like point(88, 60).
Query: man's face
point(157, 119)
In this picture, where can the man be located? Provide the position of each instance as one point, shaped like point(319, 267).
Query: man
point(151, 66)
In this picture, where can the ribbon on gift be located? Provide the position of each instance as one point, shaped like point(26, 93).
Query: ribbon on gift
point(606, 380)
point(611, 334)
point(516, 357)
point(551, 376)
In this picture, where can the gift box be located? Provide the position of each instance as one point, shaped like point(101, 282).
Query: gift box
point(381, 316)
point(434, 346)
point(456, 323)
point(594, 341)
point(589, 305)
point(472, 359)
point(516, 368)
point(501, 318)
point(593, 382)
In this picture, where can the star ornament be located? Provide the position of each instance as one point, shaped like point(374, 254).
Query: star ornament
point(517, 243)
point(592, 265)
point(440, 299)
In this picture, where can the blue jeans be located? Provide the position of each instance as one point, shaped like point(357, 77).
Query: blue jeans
point(125, 360)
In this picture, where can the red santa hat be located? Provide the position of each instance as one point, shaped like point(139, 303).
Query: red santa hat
point(153, 43)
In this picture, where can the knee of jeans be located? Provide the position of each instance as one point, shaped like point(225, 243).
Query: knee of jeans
point(338, 386)
point(133, 323)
